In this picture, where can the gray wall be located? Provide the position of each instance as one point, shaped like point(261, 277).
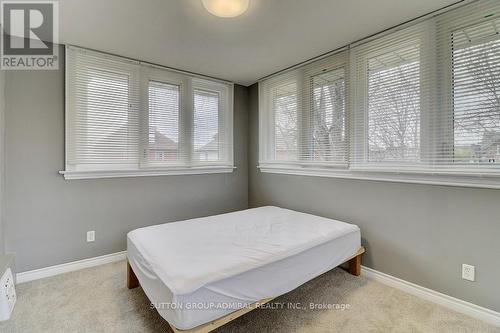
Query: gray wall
point(47, 217)
point(420, 233)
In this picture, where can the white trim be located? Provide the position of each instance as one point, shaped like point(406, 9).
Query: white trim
point(93, 174)
point(430, 178)
point(69, 267)
point(469, 309)
point(458, 305)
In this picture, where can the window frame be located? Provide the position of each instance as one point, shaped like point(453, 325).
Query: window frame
point(302, 78)
point(475, 16)
point(321, 68)
point(142, 75)
point(157, 75)
point(115, 66)
point(267, 139)
point(225, 119)
point(359, 95)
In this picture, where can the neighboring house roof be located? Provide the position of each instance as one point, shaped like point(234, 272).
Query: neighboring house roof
point(213, 145)
point(162, 142)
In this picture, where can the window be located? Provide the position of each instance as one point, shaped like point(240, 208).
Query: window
point(125, 118)
point(306, 122)
point(206, 125)
point(163, 120)
point(394, 105)
point(286, 132)
point(104, 123)
point(328, 116)
point(419, 104)
point(476, 94)
point(210, 123)
point(389, 108)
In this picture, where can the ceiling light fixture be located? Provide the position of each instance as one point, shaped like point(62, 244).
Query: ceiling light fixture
point(226, 8)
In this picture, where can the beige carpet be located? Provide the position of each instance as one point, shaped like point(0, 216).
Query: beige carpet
point(96, 300)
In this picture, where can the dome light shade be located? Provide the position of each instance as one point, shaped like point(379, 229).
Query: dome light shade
point(226, 8)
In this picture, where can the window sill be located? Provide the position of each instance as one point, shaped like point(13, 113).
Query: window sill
point(97, 174)
point(459, 178)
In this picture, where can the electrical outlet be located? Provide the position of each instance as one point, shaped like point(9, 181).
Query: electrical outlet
point(90, 236)
point(468, 272)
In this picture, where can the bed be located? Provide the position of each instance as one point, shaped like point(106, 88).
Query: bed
point(202, 273)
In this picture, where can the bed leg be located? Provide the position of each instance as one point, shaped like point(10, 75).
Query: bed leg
point(132, 281)
point(355, 265)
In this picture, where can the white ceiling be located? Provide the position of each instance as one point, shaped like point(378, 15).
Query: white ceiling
point(270, 36)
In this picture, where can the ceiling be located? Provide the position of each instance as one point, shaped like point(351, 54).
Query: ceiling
point(270, 36)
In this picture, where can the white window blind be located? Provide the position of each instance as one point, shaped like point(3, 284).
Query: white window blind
point(125, 118)
point(426, 96)
point(392, 78)
point(164, 140)
point(328, 116)
point(212, 127)
point(303, 115)
point(476, 93)
point(420, 102)
point(394, 105)
point(286, 121)
point(206, 125)
point(103, 117)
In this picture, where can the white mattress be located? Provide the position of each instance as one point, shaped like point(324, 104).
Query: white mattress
point(198, 270)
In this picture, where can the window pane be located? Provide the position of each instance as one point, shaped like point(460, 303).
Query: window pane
point(394, 106)
point(206, 125)
point(107, 137)
point(285, 120)
point(476, 94)
point(163, 139)
point(328, 91)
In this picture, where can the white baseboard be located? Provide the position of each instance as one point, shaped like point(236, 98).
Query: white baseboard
point(69, 267)
point(472, 310)
point(458, 305)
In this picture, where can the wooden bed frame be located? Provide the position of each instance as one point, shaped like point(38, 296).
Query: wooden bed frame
point(354, 268)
